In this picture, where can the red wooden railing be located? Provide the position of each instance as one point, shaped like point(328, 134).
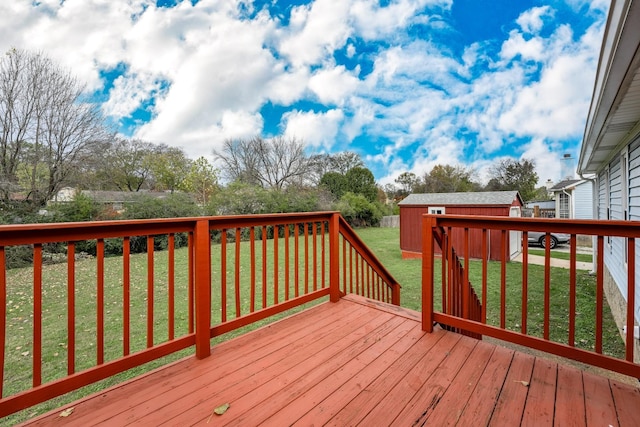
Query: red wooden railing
point(122, 311)
point(520, 330)
point(459, 298)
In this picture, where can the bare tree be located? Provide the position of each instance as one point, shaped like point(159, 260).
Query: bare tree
point(270, 163)
point(46, 125)
point(128, 164)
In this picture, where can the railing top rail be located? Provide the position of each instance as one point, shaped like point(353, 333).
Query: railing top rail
point(23, 234)
point(555, 225)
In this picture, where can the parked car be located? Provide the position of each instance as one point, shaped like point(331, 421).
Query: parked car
point(538, 238)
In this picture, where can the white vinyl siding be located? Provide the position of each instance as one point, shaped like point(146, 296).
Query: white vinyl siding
point(623, 199)
point(583, 201)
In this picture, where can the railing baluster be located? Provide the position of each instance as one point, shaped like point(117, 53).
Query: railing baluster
point(237, 270)
point(306, 258)
point(572, 290)
point(150, 289)
point(547, 286)
point(525, 282)
point(351, 270)
point(315, 254)
point(286, 262)
point(100, 301)
point(485, 261)
point(631, 297)
point(465, 290)
point(3, 314)
point(71, 308)
point(344, 265)
point(191, 282)
point(264, 266)
point(276, 270)
point(296, 257)
point(223, 274)
point(503, 279)
point(171, 287)
point(599, 294)
point(323, 265)
point(252, 250)
point(37, 315)
point(357, 262)
point(126, 296)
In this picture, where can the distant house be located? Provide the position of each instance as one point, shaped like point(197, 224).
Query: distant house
point(114, 200)
point(573, 199)
point(489, 203)
point(610, 151)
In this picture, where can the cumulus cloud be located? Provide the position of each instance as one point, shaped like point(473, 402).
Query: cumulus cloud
point(205, 70)
point(317, 130)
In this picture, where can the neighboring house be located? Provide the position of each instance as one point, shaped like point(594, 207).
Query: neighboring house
point(115, 200)
point(610, 152)
point(573, 199)
point(544, 208)
point(488, 203)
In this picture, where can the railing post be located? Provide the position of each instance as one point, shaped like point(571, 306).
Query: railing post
point(395, 295)
point(334, 257)
point(428, 222)
point(202, 273)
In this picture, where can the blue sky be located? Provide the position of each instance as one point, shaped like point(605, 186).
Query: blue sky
point(407, 84)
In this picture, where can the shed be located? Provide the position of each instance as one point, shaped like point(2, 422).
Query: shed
point(486, 203)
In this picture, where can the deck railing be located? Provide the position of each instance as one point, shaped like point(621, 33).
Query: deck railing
point(149, 288)
point(459, 297)
point(528, 328)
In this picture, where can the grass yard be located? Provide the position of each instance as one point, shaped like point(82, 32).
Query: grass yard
point(383, 241)
point(562, 255)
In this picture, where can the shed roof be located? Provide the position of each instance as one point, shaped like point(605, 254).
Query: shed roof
point(483, 198)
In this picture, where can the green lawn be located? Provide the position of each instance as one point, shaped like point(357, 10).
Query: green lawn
point(384, 243)
point(562, 255)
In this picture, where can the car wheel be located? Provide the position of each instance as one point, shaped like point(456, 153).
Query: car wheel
point(553, 242)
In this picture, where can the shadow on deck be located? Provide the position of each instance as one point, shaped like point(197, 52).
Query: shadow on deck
point(359, 361)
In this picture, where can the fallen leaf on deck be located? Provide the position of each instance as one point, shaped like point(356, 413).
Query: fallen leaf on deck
point(524, 383)
point(221, 409)
point(66, 412)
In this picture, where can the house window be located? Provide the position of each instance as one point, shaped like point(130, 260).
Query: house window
point(564, 206)
point(436, 210)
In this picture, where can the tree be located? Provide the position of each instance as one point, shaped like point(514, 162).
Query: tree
point(128, 163)
point(201, 180)
point(321, 164)
point(407, 182)
point(361, 181)
point(45, 125)
point(510, 174)
point(345, 161)
point(449, 179)
point(272, 163)
point(169, 167)
point(335, 183)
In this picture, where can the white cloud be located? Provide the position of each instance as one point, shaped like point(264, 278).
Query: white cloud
point(317, 130)
point(129, 92)
point(531, 21)
point(333, 85)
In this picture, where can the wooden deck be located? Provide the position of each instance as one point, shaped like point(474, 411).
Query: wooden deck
point(359, 362)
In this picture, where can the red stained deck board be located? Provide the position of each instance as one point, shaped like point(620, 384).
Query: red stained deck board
point(452, 403)
point(599, 405)
point(477, 411)
point(319, 382)
point(216, 389)
point(373, 382)
point(570, 409)
point(357, 361)
point(626, 399)
point(397, 398)
point(540, 406)
point(513, 395)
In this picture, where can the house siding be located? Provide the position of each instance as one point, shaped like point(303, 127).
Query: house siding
point(583, 201)
point(614, 251)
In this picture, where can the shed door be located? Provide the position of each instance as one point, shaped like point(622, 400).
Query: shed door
point(515, 237)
